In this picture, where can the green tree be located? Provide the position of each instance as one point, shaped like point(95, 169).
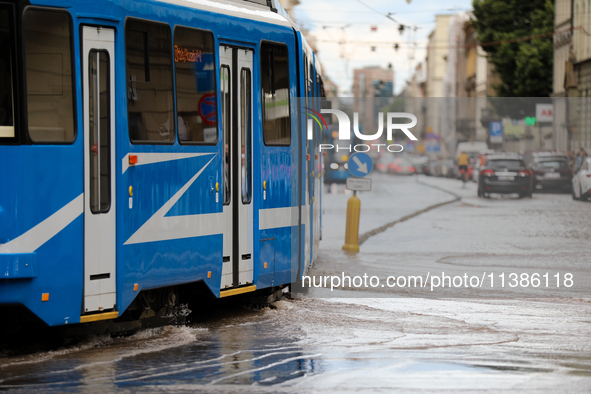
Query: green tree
point(525, 67)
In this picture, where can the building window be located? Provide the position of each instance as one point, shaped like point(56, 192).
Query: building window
point(50, 94)
point(194, 59)
point(275, 92)
point(148, 52)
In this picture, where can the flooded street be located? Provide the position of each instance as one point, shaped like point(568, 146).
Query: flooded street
point(379, 339)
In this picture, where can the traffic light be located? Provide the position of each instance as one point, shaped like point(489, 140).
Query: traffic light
point(382, 88)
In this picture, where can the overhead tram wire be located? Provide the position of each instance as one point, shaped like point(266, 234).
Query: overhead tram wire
point(492, 43)
point(415, 46)
point(483, 44)
point(388, 15)
point(331, 11)
point(336, 24)
point(401, 29)
point(401, 26)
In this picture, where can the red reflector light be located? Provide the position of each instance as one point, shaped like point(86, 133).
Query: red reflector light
point(487, 172)
point(132, 159)
point(588, 175)
point(412, 169)
point(524, 173)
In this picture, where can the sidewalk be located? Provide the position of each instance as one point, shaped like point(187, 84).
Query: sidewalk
point(391, 198)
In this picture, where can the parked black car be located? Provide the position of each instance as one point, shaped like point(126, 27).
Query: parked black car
point(551, 171)
point(505, 173)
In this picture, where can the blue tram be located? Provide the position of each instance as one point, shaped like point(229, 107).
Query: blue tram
point(335, 159)
point(150, 144)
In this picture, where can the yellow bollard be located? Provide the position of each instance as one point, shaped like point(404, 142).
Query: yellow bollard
point(352, 229)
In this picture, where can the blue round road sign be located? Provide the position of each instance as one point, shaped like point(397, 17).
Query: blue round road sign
point(360, 164)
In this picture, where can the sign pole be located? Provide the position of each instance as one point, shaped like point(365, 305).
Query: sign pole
point(352, 229)
point(359, 165)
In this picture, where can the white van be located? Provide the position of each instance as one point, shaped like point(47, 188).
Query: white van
point(471, 148)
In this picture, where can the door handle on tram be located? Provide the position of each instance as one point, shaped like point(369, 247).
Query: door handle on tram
point(246, 256)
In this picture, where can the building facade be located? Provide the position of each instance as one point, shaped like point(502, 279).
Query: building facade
point(580, 109)
point(458, 79)
point(563, 65)
point(437, 62)
point(370, 85)
point(572, 74)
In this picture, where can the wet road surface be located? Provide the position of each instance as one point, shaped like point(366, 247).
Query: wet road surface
point(376, 340)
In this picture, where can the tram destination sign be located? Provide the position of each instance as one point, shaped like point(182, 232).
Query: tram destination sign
point(359, 184)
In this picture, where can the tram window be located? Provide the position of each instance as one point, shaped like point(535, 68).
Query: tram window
point(99, 118)
point(311, 81)
point(318, 94)
point(245, 130)
point(6, 78)
point(225, 82)
point(50, 95)
point(275, 91)
point(321, 84)
point(148, 53)
point(194, 59)
point(306, 82)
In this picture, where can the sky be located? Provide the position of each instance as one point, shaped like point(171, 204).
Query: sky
point(343, 30)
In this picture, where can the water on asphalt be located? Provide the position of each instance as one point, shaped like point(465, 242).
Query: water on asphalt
point(379, 339)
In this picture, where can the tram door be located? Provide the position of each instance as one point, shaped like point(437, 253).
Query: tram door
point(98, 96)
point(236, 110)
